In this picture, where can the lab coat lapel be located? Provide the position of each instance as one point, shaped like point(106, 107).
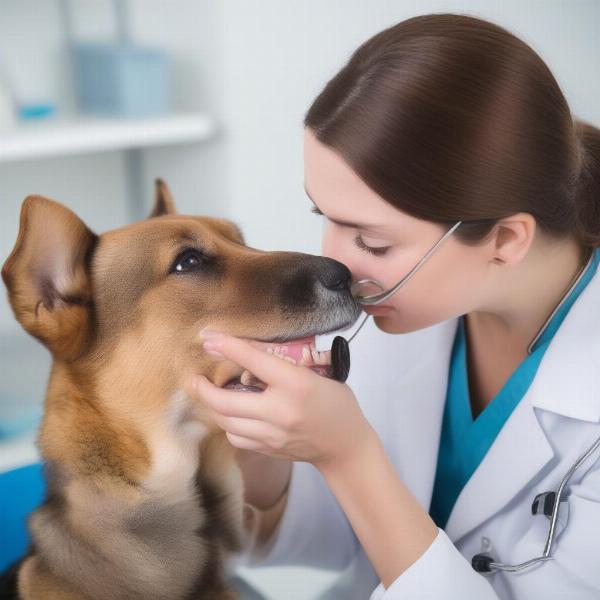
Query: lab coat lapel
point(517, 455)
point(566, 384)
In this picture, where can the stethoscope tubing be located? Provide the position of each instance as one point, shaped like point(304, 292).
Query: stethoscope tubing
point(385, 294)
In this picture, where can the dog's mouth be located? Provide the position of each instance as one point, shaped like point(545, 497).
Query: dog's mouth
point(301, 352)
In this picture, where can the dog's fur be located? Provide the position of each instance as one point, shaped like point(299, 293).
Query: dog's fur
point(144, 498)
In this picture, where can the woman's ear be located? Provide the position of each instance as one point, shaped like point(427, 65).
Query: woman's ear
point(512, 238)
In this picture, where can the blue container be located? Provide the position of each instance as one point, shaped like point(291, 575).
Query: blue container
point(121, 80)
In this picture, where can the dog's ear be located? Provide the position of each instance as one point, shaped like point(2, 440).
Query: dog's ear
point(163, 200)
point(48, 278)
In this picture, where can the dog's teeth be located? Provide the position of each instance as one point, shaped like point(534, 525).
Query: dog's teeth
point(246, 378)
point(289, 359)
point(324, 357)
point(269, 349)
point(314, 353)
point(306, 356)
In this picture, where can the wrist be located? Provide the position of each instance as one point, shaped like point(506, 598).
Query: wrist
point(278, 499)
point(391, 525)
point(265, 478)
point(363, 451)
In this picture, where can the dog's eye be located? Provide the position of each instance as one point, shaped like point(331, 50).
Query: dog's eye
point(188, 260)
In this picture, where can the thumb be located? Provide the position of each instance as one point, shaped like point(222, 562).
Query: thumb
point(194, 384)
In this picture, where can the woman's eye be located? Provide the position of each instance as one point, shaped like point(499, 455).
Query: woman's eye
point(379, 251)
point(188, 260)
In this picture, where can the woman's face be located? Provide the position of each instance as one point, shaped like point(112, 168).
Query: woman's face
point(377, 241)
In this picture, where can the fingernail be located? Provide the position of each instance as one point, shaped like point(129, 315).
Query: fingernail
point(210, 333)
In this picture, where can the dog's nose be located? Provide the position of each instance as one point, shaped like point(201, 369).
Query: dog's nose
point(335, 276)
point(311, 279)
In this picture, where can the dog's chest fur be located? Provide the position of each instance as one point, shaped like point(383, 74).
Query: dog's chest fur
point(168, 540)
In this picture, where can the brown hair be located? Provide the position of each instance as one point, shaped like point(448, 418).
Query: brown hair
point(449, 117)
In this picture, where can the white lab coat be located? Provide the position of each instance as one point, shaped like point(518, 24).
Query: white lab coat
point(400, 382)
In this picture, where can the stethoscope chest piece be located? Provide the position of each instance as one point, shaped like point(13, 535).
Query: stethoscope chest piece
point(340, 359)
point(482, 562)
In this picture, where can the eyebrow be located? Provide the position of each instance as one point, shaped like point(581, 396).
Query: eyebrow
point(187, 238)
point(364, 226)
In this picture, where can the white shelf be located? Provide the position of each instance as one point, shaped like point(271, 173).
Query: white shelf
point(75, 136)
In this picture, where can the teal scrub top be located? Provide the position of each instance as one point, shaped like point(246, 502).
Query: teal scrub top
point(464, 442)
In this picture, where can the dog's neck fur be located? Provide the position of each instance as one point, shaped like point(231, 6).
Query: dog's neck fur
point(164, 537)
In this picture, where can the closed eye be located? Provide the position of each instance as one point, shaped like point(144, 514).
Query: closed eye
point(358, 241)
point(377, 251)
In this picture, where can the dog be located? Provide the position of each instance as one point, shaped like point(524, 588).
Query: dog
point(144, 496)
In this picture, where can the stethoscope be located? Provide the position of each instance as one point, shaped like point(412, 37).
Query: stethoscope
point(372, 299)
point(546, 503)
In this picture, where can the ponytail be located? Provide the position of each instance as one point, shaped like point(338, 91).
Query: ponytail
point(453, 118)
point(587, 193)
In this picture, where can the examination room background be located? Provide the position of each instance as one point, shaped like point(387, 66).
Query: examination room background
point(252, 67)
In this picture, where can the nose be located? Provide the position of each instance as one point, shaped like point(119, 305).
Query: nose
point(334, 275)
point(312, 279)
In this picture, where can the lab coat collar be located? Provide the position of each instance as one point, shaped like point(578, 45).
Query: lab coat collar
point(566, 383)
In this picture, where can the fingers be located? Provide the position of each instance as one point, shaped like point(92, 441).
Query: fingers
point(246, 405)
point(226, 408)
point(251, 429)
point(249, 434)
point(267, 367)
point(246, 443)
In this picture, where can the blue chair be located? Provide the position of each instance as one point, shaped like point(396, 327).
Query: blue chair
point(21, 491)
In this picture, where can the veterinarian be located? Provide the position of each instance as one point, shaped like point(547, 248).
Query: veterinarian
point(435, 449)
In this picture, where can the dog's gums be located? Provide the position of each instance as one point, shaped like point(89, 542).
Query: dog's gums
point(301, 352)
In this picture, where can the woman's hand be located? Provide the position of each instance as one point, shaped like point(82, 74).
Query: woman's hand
point(300, 416)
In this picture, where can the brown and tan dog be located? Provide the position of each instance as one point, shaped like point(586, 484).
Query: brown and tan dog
point(144, 498)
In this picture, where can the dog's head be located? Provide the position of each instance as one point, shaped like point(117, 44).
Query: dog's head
point(121, 312)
